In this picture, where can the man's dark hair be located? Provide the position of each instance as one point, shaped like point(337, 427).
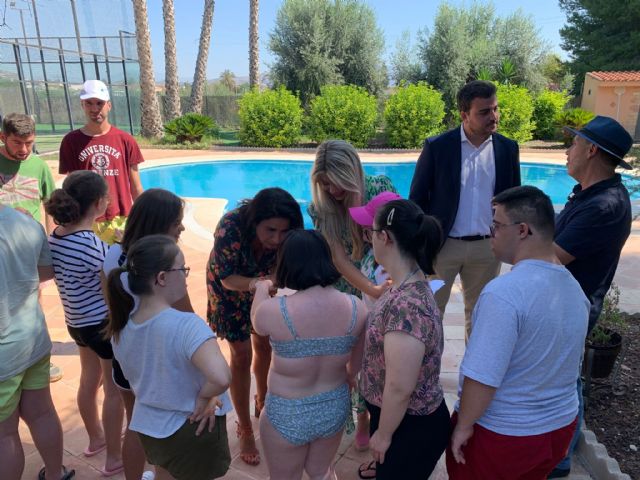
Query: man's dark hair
point(18, 124)
point(529, 205)
point(474, 89)
point(304, 261)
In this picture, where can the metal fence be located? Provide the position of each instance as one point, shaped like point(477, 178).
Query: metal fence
point(48, 48)
point(45, 81)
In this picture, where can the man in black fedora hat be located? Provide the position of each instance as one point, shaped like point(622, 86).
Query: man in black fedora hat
point(594, 224)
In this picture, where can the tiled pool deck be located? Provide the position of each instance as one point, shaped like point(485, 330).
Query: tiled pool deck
point(200, 220)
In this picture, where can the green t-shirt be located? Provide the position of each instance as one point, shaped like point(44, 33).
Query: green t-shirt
point(25, 184)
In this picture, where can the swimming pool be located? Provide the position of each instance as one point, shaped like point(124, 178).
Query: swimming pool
point(239, 179)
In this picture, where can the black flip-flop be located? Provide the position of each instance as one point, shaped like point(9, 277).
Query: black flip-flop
point(66, 474)
point(365, 470)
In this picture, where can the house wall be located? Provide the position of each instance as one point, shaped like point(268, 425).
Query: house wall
point(603, 100)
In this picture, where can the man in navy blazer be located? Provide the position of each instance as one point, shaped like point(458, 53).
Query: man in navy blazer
point(457, 175)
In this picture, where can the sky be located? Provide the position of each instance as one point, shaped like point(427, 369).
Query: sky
point(230, 34)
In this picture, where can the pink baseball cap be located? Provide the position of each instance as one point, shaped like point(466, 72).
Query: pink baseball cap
point(365, 214)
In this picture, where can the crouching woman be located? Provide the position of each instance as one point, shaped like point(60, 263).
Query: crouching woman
point(172, 362)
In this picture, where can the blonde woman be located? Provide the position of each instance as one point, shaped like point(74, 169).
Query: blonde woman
point(338, 183)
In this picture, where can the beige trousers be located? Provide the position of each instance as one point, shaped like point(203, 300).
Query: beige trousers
point(476, 265)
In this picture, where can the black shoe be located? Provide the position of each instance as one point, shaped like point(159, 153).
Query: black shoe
point(559, 473)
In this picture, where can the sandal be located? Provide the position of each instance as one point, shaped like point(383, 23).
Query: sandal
point(258, 406)
point(367, 470)
point(66, 474)
point(251, 455)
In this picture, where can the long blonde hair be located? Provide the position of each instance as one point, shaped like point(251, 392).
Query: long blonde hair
point(339, 163)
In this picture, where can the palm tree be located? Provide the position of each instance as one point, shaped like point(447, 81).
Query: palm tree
point(172, 94)
point(200, 74)
point(151, 121)
point(254, 78)
point(228, 79)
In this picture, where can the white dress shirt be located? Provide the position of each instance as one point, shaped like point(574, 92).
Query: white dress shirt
point(477, 184)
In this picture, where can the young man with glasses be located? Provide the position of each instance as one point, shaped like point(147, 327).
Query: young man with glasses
point(518, 403)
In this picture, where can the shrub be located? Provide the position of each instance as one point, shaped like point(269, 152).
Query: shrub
point(271, 118)
point(346, 112)
point(546, 109)
point(610, 320)
point(574, 118)
point(413, 113)
point(191, 128)
point(516, 109)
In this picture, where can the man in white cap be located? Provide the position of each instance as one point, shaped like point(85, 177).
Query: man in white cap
point(107, 150)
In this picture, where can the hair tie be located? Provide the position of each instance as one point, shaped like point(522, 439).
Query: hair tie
point(124, 279)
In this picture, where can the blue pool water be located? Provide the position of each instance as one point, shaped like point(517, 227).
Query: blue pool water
point(239, 179)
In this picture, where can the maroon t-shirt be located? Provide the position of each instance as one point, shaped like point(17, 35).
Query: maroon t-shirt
point(111, 155)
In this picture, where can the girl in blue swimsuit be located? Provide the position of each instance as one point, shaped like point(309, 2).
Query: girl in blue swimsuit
point(317, 340)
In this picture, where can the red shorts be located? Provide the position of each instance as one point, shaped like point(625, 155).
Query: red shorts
point(492, 456)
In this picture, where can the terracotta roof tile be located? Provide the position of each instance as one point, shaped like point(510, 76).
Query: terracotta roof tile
point(631, 76)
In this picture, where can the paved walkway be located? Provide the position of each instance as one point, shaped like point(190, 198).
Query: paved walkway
point(196, 242)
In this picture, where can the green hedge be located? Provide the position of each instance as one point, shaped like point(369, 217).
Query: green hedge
point(343, 112)
point(546, 109)
point(516, 110)
point(412, 114)
point(271, 118)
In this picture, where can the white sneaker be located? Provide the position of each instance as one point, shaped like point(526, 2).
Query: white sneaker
point(148, 475)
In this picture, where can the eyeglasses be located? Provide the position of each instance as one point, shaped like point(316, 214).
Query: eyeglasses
point(185, 270)
point(495, 226)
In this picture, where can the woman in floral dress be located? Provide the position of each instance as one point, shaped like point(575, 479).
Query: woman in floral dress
point(244, 252)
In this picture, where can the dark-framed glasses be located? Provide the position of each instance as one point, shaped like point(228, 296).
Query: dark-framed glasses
point(495, 226)
point(184, 270)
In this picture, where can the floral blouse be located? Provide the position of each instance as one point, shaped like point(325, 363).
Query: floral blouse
point(411, 309)
point(228, 311)
point(373, 185)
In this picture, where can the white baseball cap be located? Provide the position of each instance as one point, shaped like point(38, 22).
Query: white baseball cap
point(94, 89)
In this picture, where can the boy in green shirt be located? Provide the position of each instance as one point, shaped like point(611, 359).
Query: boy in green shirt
point(25, 179)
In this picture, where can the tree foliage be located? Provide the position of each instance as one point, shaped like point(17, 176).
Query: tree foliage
point(405, 61)
point(321, 42)
point(412, 114)
point(346, 112)
point(601, 35)
point(471, 43)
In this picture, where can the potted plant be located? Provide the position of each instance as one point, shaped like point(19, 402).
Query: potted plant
point(604, 342)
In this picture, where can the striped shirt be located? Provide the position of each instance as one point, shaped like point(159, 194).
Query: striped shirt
point(77, 263)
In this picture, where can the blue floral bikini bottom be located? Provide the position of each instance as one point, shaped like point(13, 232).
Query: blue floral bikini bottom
point(303, 420)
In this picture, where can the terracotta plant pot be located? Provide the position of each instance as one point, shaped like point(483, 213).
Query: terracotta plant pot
point(604, 357)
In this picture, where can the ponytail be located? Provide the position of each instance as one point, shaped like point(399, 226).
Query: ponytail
point(120, 303)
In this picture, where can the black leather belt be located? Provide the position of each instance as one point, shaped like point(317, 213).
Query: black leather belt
point(472, 238)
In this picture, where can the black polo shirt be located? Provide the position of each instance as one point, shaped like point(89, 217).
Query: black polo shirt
point(593, 227)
